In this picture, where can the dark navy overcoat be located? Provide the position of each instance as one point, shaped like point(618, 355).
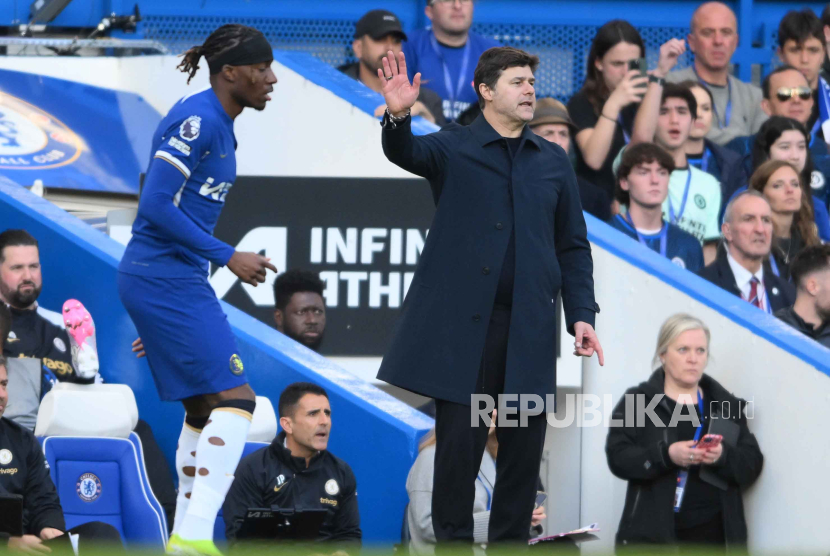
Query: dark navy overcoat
point(438, 342)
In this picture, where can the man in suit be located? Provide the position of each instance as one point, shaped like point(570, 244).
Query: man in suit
point(740, 266)
point(508, 231)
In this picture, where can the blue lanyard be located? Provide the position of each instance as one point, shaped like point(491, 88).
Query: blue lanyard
point(774, 266)
point(674, 219)
point(814, 131)
point(664, 232)
point(728, 115)
point(487, 490)
point(683, 474)
point(703, 164)
point(626, 136)
point(465, 62)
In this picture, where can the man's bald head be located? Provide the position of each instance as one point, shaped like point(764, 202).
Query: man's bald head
point(713, 36)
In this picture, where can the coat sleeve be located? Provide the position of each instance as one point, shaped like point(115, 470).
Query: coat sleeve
point(574, 252)
point(628, 457)
point(346, 530)
point(41, 505)
point(244, 493)
point(741, 464)
point(423, 156)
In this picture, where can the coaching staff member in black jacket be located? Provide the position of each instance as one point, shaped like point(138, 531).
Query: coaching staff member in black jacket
point(25, 472)
point(297, 472)
point(508, 232)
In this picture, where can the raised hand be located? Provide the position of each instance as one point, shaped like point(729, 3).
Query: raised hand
point(250, 267)
point(630, 90)
point(670, 51)
point(399, 94)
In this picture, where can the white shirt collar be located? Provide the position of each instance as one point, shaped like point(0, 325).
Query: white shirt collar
point(743, 278)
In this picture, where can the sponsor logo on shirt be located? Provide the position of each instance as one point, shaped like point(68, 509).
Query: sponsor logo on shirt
point(9, 471)
point(60, 367)
point(12, 338)
point(183, 148)
point(280, 483)
point(31, 139)
point(328, 501)
point(88, 487)
point(215, 192)
point(190, 128)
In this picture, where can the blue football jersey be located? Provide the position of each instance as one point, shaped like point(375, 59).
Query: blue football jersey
point(191, 170)
point(682, 248)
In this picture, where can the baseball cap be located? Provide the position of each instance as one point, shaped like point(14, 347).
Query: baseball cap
point(551, 111)
point(377, 24)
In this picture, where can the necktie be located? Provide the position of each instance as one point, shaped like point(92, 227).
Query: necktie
point(753, 292)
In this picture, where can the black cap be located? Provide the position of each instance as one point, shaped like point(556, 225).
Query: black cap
point(377, 24)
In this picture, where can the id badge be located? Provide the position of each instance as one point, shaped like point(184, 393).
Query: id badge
point(680, 489)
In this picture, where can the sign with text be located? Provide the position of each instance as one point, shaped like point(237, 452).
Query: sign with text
point(362, 236)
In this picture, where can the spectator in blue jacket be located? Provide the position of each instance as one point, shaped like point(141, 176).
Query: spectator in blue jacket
point(446, 55)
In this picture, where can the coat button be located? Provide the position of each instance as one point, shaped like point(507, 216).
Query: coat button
point(476, 317)
point(485, 270)
point(499, 225)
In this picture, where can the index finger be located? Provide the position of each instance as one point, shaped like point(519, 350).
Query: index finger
point(270, 267)
point(600, 355)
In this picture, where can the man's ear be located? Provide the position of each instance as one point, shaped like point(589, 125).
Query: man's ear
point(428, 11)
point(286, 425)
point(357, 48)
point(726, 230)
point(278, 318)
point(485, 91)
point(229, 73)
point(624, 184)
point(766, 107)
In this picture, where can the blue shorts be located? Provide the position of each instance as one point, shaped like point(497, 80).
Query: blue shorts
point(189, 343)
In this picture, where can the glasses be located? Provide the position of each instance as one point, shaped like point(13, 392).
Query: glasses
point(786, 93)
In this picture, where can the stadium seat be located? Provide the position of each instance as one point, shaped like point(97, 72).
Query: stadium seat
point(96, 467)
point(262, 432)
point(132, 408)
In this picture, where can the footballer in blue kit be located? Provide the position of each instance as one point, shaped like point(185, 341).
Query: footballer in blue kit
point(642, 187)
point(163, 275)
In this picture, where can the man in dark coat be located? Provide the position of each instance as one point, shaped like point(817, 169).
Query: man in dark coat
point(508, 232)
point(740, 266)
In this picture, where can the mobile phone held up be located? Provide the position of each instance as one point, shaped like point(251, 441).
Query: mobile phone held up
point(639, 65)
point(540, 499)
point(709, 442)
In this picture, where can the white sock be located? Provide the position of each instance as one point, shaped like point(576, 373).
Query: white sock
point(186, 467)
point(217, 455)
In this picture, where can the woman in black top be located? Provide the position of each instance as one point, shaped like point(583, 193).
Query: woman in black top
point(604, 109)
point(793, 225)
point(654, 458)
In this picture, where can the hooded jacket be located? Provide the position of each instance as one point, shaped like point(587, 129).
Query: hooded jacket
point(640, 455)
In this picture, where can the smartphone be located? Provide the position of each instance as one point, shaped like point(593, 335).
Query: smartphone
point(540, 499)
point(639, 65)
point(709, 441)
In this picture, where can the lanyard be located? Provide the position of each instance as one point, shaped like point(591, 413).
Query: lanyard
point(489, 491)
point(728, 114)
point(664, 232)
point(465, 62)
point(626, 136)
point(704, 161)
point(814, 131)
point(683, 474)
point(674, 219)
point(774, 266)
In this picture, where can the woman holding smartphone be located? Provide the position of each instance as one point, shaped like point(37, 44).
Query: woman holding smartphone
point(685, 477)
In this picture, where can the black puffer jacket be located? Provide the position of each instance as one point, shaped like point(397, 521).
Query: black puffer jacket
point(640, 456)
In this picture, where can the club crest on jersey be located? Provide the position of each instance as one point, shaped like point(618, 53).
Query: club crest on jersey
point(31, 139)
point(332, 487)
point(88, 487)
point(679, 262)
point(5, 457)
point(190, 128)
point(816, 180)
point(236, 365)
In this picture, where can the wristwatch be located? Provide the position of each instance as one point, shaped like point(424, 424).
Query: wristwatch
point(391, 122)
point(654, 79)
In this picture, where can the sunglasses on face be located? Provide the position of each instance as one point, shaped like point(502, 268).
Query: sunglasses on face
point(786, 93)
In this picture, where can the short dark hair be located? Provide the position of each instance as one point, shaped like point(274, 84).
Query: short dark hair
point(799, 26)
point(5, 325)
point(15, 238)
point(809, 260)
point(497, 59)
point(292, 395)
point(676, 90)
point(825, 15)
point(641, 153)
point(765, 84)
point(295, 281)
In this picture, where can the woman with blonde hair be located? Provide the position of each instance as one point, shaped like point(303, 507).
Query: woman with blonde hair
point(419, 488)
point(685, 474)
point(793, 225)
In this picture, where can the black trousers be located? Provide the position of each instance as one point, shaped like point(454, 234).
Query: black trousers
point(92, 536)
point(459, 449)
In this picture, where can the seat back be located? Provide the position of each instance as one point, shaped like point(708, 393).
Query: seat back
point(97, 469)
point(154, 502)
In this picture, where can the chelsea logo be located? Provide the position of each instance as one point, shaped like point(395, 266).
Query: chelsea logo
point(332, 487)
point(236, 365)
point(31, 139)
point(88, 487)
point(700, 201)
point(5, 457)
